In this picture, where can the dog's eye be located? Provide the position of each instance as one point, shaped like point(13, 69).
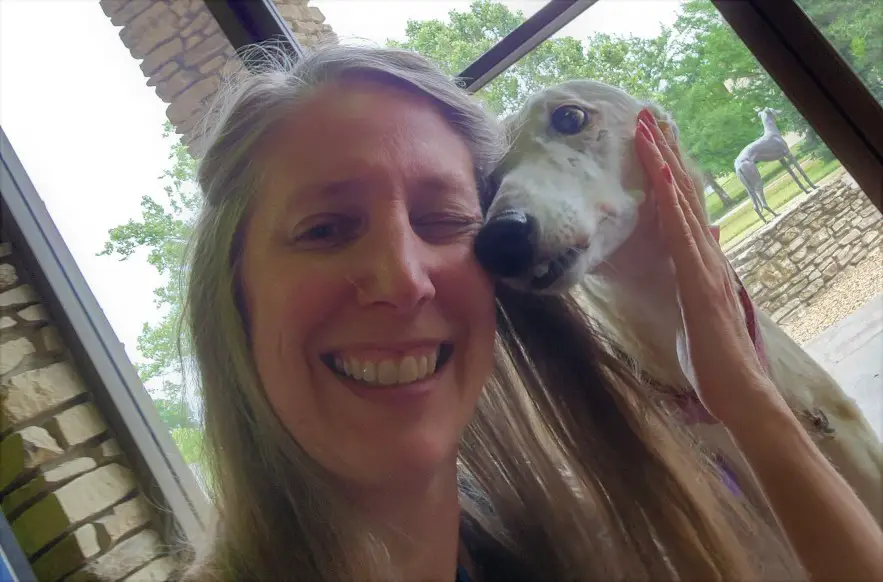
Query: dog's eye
point(569, 119)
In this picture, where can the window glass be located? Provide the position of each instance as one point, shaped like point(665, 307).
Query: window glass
point(815, 266)
point(855, 28)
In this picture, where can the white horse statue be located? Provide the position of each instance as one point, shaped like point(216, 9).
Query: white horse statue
point(768, 147)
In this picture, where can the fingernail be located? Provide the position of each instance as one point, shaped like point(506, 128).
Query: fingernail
point(648, 117)
point(666, 173)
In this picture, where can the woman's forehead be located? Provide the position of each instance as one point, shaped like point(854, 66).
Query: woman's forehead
point(360, 134)
point(358, 123)
point(347, 107)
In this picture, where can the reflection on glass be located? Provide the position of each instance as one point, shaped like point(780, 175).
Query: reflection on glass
point(855, 28)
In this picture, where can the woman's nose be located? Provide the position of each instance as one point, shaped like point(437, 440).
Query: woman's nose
point(394, 269)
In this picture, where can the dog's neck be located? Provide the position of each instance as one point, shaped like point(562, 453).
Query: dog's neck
point(640, 291)
point(769, 125)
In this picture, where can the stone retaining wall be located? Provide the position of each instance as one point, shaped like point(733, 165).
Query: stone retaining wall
point(65, 485)
point(790, 261)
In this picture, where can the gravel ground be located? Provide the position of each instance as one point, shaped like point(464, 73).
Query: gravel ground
point(849, 290)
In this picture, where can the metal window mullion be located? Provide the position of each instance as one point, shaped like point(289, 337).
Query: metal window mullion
point(531, 33)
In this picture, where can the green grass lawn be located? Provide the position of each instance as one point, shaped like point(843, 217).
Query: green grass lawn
point(744, 221)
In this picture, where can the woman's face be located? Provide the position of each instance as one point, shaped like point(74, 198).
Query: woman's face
point(372, 324)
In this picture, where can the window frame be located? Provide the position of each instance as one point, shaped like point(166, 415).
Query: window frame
point(811, 73)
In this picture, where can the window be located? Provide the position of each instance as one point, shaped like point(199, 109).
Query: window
point(111, 144)
point(813, 264)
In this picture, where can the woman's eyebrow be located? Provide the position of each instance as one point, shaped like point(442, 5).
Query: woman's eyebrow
point(320, 191)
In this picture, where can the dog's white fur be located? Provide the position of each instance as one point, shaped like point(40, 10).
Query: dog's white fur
point(588, 189)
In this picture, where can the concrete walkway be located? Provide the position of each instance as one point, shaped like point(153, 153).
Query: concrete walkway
point(852, 351)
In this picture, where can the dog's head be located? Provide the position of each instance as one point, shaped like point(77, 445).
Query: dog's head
point(569, 190)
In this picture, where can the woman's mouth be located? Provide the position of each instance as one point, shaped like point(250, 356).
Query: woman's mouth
point(390, 371)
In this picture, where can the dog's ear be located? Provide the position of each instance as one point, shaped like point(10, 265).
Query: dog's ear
point(665, 117)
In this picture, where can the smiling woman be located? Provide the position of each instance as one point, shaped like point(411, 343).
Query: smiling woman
point(375, 271)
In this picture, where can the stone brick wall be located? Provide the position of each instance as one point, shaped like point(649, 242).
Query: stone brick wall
point(65, 485)
point(184, 53)
point(307, 22)
point(789, 262)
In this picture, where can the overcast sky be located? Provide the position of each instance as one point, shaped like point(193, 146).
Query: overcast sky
point(88, 130)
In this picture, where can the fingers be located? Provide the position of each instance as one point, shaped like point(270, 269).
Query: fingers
point(667, 144)
point(675, 225)
point(682, 178)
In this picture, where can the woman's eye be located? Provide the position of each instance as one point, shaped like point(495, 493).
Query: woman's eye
point(439, 228)
point(324, 232)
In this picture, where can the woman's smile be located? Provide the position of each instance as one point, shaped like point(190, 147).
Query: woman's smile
point(389, 367)
point(394, 378)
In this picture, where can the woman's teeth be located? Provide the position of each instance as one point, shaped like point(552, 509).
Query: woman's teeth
point(389, 371)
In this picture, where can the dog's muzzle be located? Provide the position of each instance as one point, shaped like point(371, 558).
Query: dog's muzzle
point(506, 248)
point(505, 244)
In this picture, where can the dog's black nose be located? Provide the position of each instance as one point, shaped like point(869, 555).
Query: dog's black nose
point(504, 245)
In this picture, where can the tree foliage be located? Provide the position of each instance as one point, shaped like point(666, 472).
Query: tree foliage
point(697, 68)
point(163, 230)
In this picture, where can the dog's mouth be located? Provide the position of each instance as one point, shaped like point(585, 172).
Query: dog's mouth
point(546, 273)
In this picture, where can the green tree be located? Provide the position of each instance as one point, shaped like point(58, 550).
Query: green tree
point(455, 44)
point(855, 29)
point(163, 231)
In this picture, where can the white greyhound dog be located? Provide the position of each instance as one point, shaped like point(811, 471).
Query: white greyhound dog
point(567, 216)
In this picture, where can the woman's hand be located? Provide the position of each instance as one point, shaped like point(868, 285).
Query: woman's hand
point(831, 531)
point(729, 377)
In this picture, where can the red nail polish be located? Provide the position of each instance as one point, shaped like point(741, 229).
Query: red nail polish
point(648, 117)
point(666, 173)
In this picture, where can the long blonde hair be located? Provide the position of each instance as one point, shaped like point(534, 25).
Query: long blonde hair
point(579, 475)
